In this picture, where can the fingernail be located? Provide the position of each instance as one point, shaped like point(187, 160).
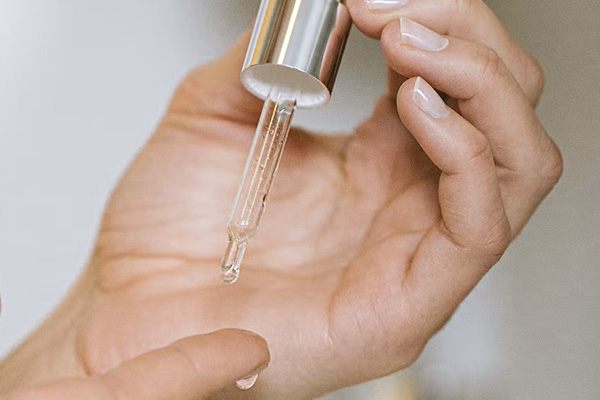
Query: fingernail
point(427, 99)
point(248, 381)
point(421, 37)
point(384, 5)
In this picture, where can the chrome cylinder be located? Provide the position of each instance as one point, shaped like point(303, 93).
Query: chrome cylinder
point(298, 46)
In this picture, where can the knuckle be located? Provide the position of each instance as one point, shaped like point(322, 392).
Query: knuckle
point(491, 240)
point(489, 64)
point(412, 353)
point(553, 166)
point(538, 77)
point(498, 239)
point(476, 149)
point(532, 79)
point(488, 239)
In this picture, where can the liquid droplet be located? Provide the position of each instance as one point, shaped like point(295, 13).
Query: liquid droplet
point(247, 383)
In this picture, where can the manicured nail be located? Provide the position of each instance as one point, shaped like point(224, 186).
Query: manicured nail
point(385, 5)
point(428, 100)
point(421, 37)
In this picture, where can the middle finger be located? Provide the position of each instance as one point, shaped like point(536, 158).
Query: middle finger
point(489, 98)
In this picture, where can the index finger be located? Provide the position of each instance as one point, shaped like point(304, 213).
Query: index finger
point(471, 20)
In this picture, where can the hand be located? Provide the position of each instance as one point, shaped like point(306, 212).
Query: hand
point(190, 369)
point(370, 241)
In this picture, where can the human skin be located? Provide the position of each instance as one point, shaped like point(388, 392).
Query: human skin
point(189, 369)
point(370, 241)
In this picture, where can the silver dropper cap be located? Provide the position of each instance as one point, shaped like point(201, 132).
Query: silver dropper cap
point(297, 46)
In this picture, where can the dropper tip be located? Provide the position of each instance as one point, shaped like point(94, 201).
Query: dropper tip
point(230, 267)
point(229, 274)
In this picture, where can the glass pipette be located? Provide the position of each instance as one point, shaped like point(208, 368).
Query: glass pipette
point(261, 168)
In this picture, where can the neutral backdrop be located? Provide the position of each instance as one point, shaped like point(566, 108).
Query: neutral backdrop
point(82, 85)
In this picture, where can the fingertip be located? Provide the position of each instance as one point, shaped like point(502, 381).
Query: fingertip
point(192, 367)
point(251, 341)
point(252, 352)
point(407, 85)
point(247, 350)
point(371, 21)
point(411, 115)
point(404, 100)
point(391, 42)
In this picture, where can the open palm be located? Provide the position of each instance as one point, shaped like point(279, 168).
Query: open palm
point(344, 219)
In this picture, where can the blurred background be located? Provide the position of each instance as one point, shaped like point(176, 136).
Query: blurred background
point(82, 85)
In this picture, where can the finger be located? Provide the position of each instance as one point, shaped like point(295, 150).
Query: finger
point(189, 369)
point(474, 230)
point(467, 19)
point(488, 97)
point(215, 90)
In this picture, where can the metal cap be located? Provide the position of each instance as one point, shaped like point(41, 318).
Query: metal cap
point(297, 46)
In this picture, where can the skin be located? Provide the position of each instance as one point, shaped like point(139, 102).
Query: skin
point(369, 243)
point(189, 369)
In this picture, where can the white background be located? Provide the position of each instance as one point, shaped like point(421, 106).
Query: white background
point(82, 84)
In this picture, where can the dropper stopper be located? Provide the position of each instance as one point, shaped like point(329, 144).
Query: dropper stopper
point(297, 45)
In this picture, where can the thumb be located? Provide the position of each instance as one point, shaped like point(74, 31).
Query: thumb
point(215, 89)
point(190, 369)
